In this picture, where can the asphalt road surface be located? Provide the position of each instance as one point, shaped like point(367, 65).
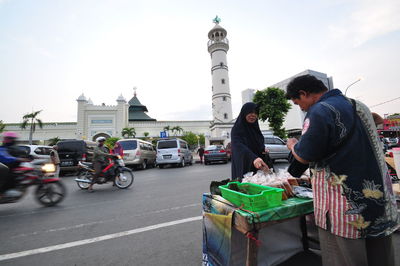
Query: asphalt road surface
point(155, 222)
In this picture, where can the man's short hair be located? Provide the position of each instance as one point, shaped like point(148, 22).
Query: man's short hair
point(307, 83)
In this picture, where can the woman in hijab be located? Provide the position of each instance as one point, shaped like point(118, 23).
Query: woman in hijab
point(118, 150)
point(248, 150)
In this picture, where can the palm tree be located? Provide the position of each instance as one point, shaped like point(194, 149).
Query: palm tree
point(128, 131)
point(53, 141)
point(32, 120)
point(146, 134)
point(2, 126)
point(177, 129)
point(167, 129)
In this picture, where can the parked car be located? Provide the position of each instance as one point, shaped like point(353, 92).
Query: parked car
point(215, 153)
point(72, 151)
point(173, 151)
point(36, 151)
point(391, 142)
point(138, 153)
point(277, 147)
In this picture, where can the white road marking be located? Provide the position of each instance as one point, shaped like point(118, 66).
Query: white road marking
point(95, 239)
point(103, 222)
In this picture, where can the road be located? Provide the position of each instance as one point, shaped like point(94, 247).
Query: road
point(158, 196)
point(155, 222)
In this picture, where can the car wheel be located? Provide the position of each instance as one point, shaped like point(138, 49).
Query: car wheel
point(144, 165)
point(182, 164)
point(161, 166)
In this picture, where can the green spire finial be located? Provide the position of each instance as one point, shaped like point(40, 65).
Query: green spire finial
point(216, 20)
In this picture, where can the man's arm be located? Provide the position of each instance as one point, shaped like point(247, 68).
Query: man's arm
point(290, 144)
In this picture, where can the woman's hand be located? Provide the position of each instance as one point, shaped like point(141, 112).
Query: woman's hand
point(260, 164)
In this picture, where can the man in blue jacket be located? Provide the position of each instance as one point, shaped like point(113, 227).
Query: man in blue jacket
point(354, 205)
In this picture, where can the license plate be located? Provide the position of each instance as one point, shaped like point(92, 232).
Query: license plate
point(69, 163)
point(167, 156)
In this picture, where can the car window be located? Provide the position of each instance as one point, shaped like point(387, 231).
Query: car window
point(46, 150)
point(70, 146)
point(183, 145)
point(279, 142)
point(129, 144)
point(26, 149)
point(38, 150)
point(167, 144)
point(269, 141)
point(211, 147)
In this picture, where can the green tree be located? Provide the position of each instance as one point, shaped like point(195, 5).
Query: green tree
point(130, 132)
point(110, 142)
point(167, 129)
point(273, 107)
point(202, 139)
point(53, 141)
point(146, 135)
point(177, 129)
point(2, 126)
point(32, 120)
point(190, 138)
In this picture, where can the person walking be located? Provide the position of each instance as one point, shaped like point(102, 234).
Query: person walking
point(200, 152)
point(354, 206)
point(248, 150)
point(55, 159)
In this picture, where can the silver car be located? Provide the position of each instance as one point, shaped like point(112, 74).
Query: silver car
point(173, 151)
point(138, 153)
point(277, 147)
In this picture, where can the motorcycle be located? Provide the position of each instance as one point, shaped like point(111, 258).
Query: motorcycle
point(121, 176)
point(50, 190)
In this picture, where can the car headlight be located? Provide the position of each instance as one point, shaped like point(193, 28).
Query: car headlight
point(48, 167)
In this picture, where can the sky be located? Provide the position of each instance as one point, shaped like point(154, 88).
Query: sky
point(52, 51)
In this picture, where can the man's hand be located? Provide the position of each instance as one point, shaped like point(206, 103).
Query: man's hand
point(290, 143)
point(260, 164)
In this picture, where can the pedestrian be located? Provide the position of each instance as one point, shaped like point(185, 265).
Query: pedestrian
point(118, 150)
point(55, 159)
point(354, 206)
point(200, 152)
point(248, 150)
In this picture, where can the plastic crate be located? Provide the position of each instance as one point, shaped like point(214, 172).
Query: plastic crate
point(258, 197)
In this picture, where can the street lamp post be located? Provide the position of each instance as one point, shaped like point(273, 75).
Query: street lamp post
point(352, 85)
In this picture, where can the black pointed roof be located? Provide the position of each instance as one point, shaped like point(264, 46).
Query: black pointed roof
point(137, 110)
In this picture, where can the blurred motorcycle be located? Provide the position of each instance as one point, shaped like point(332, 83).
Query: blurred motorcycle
point(49, 189)
point(116, 172)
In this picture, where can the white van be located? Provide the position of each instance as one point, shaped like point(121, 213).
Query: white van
point(173, 151)
point(138, 152)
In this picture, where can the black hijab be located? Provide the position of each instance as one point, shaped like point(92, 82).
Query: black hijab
point(247, 142)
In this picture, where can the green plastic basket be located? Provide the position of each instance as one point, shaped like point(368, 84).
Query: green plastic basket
point(258, 197)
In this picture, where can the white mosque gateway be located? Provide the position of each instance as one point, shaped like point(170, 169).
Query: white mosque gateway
point(109, 120)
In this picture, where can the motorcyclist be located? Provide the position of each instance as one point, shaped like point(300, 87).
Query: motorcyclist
point(100, 155)
point(9, 156)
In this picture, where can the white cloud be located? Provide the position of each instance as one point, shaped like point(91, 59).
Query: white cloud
point(370, 19)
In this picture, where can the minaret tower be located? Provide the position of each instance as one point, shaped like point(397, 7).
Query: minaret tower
point(218, 47)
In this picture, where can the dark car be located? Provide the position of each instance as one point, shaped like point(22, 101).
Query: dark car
point(73, 151)
point(215, 153)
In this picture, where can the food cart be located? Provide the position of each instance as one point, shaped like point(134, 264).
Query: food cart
point(235, 236)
